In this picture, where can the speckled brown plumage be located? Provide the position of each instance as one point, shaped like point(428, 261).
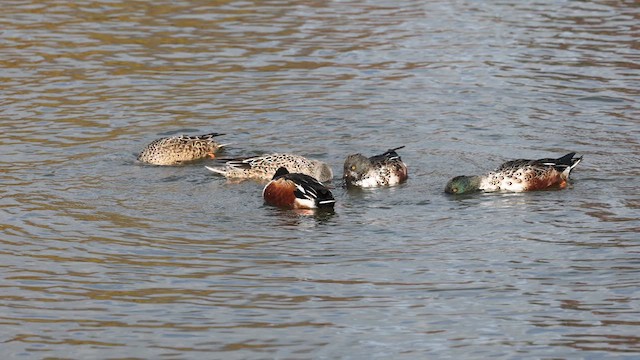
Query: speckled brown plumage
point(386, 169)
point(518, 176)
point(175, 150)
point(265, 166)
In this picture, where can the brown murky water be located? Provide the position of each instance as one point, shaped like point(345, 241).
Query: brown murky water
point(105, 258)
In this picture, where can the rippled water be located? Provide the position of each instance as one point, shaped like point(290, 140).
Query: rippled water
point(105, 258)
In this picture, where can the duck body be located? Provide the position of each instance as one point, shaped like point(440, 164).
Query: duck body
point(296, 191)
point(264, 167)
point(175, 150)
point(386, 169)
point(519, 176)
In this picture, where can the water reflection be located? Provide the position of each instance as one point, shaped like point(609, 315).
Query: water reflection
point(301, 218)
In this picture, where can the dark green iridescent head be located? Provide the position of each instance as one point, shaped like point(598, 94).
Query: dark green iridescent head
point(462, 185)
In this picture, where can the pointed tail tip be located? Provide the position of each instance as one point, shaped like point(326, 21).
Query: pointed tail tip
point(572, 156)
point(569, 159)
point(328, 202)
point(216, 170)
point(575, 161)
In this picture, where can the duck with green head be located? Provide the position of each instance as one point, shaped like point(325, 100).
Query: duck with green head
point(518, 176)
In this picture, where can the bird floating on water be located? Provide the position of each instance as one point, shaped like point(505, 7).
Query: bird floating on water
point(297, 191)
point(264, 167)
point(518, 176)
point(386, 169)
point(175, 150)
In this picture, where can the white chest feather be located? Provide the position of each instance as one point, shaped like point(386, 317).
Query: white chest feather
point(368, 181)
point(497, 182)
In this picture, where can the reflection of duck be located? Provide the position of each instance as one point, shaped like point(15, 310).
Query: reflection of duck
point(519, 175)
point(264, 167)
point(380, 170)
point(297, 191)
point(178, 149)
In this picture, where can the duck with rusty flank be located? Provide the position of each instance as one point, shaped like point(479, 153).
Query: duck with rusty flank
point(518, 176)
point(297, 191)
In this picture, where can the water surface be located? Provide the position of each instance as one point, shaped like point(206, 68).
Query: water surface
point(103, 257)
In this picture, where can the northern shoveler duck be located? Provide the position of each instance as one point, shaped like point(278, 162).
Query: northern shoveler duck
point(380, 170)
point(264, 167)
point(519, 175)
point(296, 191)
point(175, 150)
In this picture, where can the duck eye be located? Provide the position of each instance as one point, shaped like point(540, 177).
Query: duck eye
point(353, 167)
point(455, 190)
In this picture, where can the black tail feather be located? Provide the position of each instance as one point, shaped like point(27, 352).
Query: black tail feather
point(213, 134)
point(387, 155)
point(566, 160)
